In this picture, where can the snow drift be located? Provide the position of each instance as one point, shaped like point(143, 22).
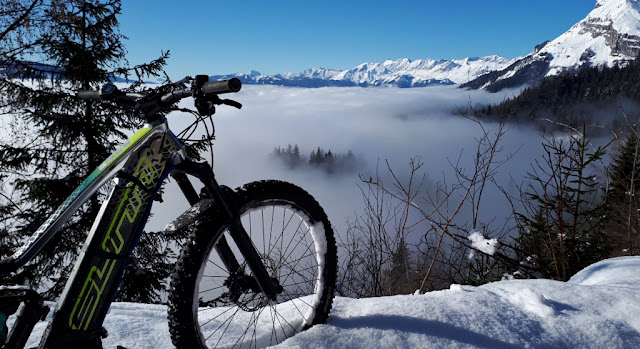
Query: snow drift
point(597, 308)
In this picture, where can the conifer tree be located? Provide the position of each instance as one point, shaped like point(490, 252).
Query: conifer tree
point(563, 228)
point(67, 138)
point(622, 196)
point(296, 155)
point(399, 278)
point(624, 173)
point(20, 22)
point(316, 158)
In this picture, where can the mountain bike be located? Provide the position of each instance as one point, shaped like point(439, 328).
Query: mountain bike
point(258, 265)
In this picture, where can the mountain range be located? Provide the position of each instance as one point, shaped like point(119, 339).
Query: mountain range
point(401, 73)
point(609, 35)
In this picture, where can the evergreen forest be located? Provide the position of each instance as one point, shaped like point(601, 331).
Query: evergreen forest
point(318, 159)
point(601, 95)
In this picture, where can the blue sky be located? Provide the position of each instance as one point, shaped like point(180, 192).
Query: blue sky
point(220, 37)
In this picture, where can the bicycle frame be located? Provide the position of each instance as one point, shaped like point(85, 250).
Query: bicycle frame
point(101, 175)
point(140, 164)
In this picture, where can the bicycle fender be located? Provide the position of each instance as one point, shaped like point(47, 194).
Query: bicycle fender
point(181, 225)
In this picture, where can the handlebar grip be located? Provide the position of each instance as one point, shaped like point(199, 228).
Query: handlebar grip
point(174, 96)
point(88, 94)
point(223, 86)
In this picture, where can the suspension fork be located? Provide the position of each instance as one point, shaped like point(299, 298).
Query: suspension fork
point(222, 247)
point(225, 201)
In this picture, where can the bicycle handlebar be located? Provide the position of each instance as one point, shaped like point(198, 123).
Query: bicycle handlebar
point(205, 95)
point(107, 94)
point(208, 88)
point(175, 96)
point(88, 94)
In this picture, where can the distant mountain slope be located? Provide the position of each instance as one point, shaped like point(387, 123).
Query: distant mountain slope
point(609, 35)
point(400, 73)
point(595, 94)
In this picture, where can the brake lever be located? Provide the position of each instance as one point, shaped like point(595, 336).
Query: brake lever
point(231, 103)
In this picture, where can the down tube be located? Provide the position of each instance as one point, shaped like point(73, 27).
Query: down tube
point(96, 276)
point(87, 188)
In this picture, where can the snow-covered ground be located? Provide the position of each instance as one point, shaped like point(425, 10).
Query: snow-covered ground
point(598, 308)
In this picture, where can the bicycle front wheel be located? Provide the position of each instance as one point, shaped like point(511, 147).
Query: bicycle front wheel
point(213, 307)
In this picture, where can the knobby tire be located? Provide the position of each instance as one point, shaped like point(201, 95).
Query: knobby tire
point(209, 307)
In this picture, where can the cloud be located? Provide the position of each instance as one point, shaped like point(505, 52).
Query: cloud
point(374, 123)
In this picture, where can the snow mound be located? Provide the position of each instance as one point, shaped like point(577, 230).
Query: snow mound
point(614, 271)
point(504, 314)
point(533, 302)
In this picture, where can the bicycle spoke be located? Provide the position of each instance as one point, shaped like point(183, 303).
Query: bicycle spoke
point(214, 288)
point(291, 240)
point(227, 321)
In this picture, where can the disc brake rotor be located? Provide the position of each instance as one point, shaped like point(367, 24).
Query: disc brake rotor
point(244, 290)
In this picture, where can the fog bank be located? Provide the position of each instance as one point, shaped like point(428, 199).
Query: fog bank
point(376, 124)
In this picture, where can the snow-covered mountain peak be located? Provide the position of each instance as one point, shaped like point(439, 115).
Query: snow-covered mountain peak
point(616, 3)
point(623, 15)
point(609, 35)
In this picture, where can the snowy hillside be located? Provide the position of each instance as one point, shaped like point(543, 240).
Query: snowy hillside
point(597, 308)
point(401, 73)
point(609, 35)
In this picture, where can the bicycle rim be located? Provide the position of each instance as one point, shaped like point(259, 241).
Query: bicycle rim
point(232, 314)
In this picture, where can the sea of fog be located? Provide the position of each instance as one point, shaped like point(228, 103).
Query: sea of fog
point(376, 124)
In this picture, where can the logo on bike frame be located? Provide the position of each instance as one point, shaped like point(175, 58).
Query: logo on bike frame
point(134, 199)
point(127, 212)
